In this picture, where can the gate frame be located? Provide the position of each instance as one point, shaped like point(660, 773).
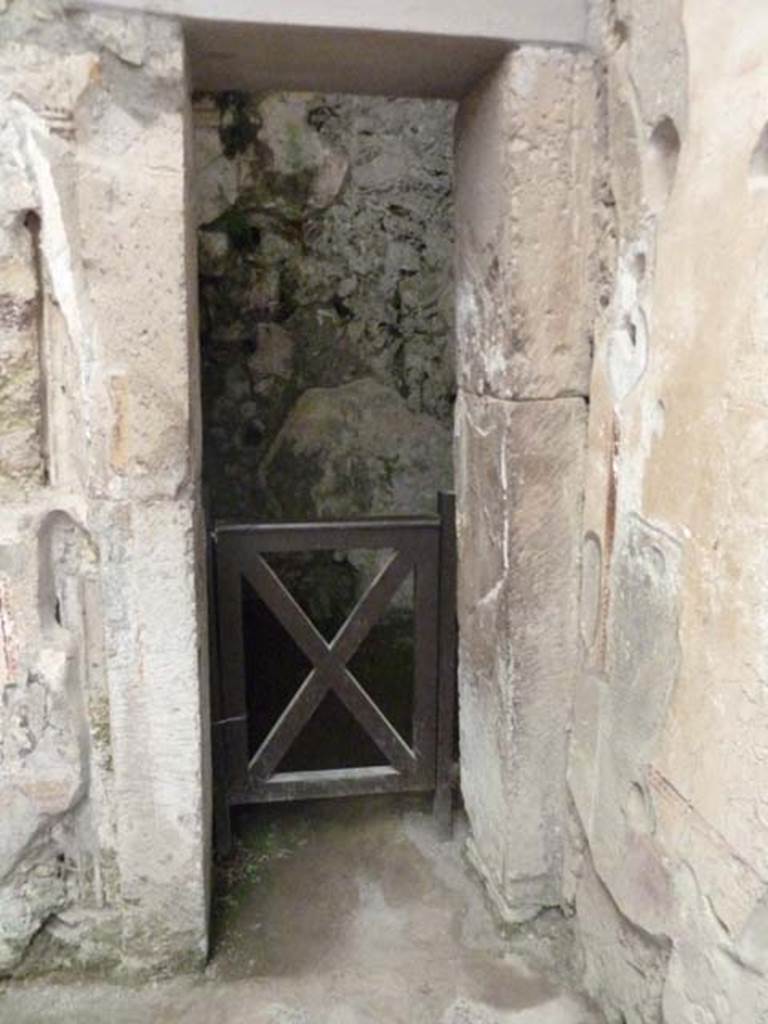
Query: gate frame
point(425, 546)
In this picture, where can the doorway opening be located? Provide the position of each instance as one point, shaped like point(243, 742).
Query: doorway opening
point(325, 238)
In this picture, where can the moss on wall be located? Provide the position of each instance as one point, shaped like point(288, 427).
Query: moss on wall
point(325, 261)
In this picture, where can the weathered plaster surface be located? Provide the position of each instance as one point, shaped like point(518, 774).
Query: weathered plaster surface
point(524, 227)
point(669, 871)
point(103, 830)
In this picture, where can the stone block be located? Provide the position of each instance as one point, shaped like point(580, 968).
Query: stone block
point(519, 470)
point(524, 168)
point(134, 221)
point(154, 642)
point(360, 451)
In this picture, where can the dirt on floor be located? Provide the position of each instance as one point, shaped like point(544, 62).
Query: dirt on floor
point(347, 912)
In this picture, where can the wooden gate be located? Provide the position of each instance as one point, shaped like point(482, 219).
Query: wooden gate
point(423, 546)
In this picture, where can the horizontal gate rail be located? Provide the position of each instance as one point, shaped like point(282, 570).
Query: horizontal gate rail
point(314, 785)
point(337, 534)
point(422, 546)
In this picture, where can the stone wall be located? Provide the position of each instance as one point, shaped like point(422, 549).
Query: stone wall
point(669, 861)
point(103, 729)
point(326, 303)
point(623, 205)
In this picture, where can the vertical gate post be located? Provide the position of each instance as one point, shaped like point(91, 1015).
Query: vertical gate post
point(232, 723)
point(222, 829)
point(446, 665)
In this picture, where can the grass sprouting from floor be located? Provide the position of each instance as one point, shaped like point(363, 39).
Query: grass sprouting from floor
point(257, 845)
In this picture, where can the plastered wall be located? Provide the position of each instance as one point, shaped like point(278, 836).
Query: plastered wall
point(103, 727)
point(668, 865)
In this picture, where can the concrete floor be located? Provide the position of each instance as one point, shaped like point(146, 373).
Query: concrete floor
point(349, 912)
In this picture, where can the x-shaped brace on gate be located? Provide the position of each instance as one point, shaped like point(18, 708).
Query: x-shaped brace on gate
point(329, 661)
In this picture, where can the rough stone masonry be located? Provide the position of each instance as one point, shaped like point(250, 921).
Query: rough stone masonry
point(103, 734)
point(326, 245)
